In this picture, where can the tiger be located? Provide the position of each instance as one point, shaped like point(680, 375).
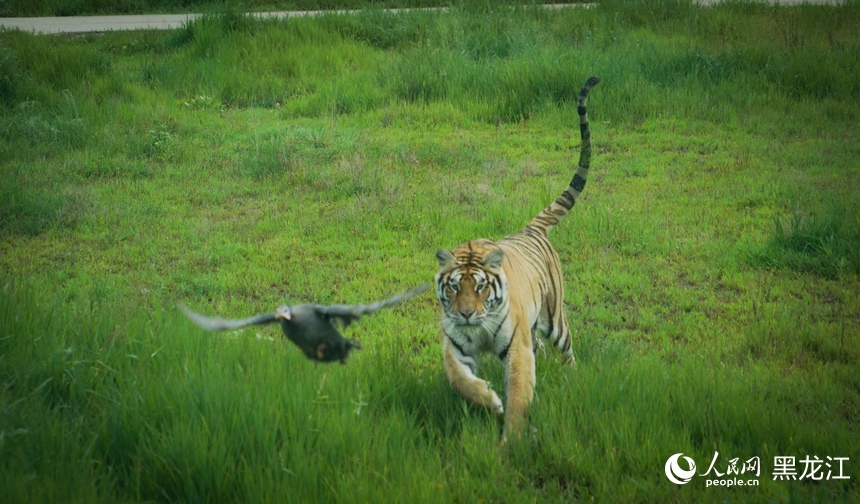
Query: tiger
point(496, 296)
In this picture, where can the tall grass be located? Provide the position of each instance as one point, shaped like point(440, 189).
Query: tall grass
point(508, 72)
point(825, 242)
point(199, 417)
point(234, 165)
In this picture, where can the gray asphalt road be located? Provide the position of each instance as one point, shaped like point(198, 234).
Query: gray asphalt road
point(89, 24)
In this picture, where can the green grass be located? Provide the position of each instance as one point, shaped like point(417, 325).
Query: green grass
point(825, 242)
point(711, 266)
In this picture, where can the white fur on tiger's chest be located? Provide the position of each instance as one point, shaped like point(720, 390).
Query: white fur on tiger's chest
point(492, 334)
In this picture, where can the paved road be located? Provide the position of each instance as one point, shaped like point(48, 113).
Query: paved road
point(89, 24)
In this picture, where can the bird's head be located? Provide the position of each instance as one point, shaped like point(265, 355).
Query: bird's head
point(283, 312)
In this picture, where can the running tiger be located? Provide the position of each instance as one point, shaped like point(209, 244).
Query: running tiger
point(496, 296)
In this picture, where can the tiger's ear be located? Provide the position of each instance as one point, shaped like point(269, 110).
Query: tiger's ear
point(494, 259)
point(444, 257)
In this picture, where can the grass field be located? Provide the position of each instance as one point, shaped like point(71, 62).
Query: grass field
point(711, 266)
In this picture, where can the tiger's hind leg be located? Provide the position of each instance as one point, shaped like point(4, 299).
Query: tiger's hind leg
point(557, 332)
point(565, 342)
point(567, 355)
point(560, 338)
point(537, 343)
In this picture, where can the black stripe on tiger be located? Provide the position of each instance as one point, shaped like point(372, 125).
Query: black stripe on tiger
point(552, 215)
point(456, 345)
point(504, 353)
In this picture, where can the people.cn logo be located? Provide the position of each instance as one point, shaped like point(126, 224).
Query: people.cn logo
point(678, 475)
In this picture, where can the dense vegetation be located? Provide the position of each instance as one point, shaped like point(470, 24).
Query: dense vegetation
point(711, 266)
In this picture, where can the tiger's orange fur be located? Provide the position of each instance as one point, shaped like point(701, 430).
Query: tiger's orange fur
point(497, 296)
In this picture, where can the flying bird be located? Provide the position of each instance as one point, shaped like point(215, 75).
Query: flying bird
point(312, 327)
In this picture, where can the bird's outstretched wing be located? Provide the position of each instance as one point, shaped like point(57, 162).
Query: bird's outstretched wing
point(347, 314)
point(220, 324)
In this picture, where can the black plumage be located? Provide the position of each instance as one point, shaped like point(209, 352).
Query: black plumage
point(312, 327)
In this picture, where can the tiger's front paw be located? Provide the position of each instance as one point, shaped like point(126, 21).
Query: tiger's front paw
point(532, 436)
point(496, 404)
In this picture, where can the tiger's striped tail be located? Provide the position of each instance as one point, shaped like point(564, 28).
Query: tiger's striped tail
point(552, 215)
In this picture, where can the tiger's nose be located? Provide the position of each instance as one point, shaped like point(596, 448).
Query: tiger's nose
point(467, 312)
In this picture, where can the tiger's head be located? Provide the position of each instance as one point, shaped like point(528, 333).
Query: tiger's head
point(470, 283)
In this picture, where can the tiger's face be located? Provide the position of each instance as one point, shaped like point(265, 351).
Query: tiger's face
point(470, 283)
